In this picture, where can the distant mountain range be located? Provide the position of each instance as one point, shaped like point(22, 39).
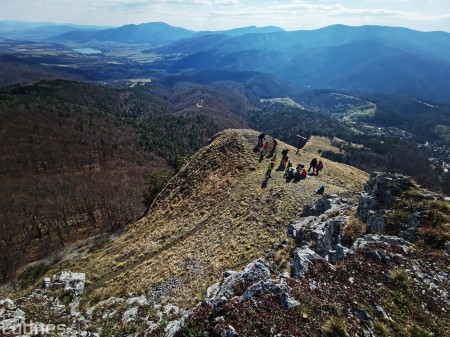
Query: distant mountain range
point(366, 59)
point(22, 30)
point(155, 33)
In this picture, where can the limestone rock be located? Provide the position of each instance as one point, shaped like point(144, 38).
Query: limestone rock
point(303, 259)
point(319, 207)
point(73, 282)
point(384, 239)
point(254, 272)
point(130, 314)
point(287, 302)
point(172, 328)
point(263, 287)
point(212, 291)
point(339, 254)
point(387, 187)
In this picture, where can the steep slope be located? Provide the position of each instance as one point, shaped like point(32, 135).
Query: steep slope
point(215, 214)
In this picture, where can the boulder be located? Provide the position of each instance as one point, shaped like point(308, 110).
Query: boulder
point(382, 190)
point(130, 314)
point(384, 239)
point(303, 259)
point(73, 282)
point(139, 300)
point(318, 208)
point(297, 229)
point(287, 302)
point(263, 287)
point(325, 234)
point(366, 202)
point(387, 187)
point(339, 254)
point(254, 272)
point(375, 222)
point(173, 327)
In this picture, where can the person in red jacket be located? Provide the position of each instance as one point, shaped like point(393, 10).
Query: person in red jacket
point(304, 173)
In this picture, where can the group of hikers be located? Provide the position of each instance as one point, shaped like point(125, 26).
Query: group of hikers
point(286, 165)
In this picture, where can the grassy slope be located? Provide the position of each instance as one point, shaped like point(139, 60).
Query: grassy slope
point(317, 143)
point(212, 216)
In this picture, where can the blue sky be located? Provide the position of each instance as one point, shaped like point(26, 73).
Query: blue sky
point(423, 15)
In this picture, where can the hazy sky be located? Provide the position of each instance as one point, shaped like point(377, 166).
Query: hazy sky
point(225, 14)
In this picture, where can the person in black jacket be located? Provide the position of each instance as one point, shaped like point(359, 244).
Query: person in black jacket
point(261, 139)
point(313, 165)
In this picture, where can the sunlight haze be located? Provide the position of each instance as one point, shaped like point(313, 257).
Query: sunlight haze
point(425, 15)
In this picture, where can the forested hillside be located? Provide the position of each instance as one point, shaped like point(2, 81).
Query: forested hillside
point(70, 167)
point(16, 70)
point(74, 156)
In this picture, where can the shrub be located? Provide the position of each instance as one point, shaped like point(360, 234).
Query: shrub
point(32, 274)
point(419, 332)
point(335, 327)
point(100, 242)
point(401, 279)
point(354, 230)
point(154, 183)
point(396, 221)
point(191, 328)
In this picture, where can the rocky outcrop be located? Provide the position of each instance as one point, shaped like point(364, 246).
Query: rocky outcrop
point(381, 191)
point(265, 289)
point(322, 227)
point(253, 273)
point(11, 317)
point(384, 240)
point(58, 299)
point(392, 203)
point(253, 285)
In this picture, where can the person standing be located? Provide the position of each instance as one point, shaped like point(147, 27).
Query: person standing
point(266, 146)
point(261, 139)
point(274, 141)
point(313, 165)
point(269, 169)
point(319, 167)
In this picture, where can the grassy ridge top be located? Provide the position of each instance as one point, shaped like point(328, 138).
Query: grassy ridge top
point(214, 215)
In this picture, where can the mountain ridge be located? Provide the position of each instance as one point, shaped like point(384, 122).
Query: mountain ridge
point(208, 204)
point(349, 262)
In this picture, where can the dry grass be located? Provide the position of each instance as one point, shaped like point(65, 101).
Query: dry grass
point(214, 214)
point(335, 327)
point(355, 229)
point(318, 144)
